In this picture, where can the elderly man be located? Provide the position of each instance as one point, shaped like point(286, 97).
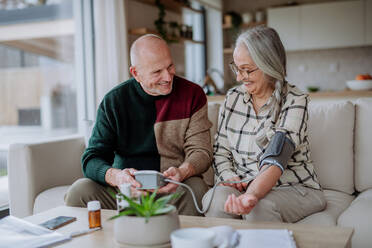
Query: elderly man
point(153, 121)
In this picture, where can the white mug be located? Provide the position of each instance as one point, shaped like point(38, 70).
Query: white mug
point(247, 17)
point(260, 16)
point(192, 237)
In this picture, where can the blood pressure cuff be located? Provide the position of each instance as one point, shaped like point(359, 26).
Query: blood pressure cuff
point(278, 152)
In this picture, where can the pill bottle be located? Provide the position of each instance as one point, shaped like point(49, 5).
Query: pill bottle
point(94, 214)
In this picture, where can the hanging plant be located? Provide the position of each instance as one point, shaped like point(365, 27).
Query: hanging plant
point(160, 23)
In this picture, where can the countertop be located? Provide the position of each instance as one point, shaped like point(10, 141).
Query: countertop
point(320, 94)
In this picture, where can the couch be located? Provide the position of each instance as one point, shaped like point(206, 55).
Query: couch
point(341, 142)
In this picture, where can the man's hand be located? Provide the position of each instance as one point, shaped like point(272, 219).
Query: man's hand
point(242, 204)
point(239, 186)
point(179, 174)
point(115, 177)
point(175, 174)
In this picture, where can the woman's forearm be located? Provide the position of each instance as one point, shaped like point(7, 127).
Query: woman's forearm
point(265, 181)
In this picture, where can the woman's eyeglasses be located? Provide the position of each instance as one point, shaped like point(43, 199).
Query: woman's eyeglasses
point(243, 72)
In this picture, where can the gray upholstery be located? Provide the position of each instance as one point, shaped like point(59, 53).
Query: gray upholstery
point(34, 168)
point(337, 202)
point(50, 198)
point(359, 217)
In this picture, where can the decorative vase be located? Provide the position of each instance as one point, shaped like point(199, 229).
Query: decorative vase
point(133, 230)
point(247, 17)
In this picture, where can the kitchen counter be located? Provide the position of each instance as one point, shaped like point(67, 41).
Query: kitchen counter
point(317, 95)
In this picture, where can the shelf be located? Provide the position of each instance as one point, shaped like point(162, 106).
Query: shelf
point(245, 26)
point(228, 50)
point(317, 95)
point(342, 94)
point(143, 31)
point(170, 5)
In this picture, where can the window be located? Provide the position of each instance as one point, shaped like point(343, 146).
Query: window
point(195, 53)
point(38, 89)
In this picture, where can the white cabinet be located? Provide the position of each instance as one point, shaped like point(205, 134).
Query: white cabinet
point(329, 25)
point(368, 13)
point(323, 25)
point(286, 21)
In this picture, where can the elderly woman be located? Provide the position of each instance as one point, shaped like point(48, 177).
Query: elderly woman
point(262, 139)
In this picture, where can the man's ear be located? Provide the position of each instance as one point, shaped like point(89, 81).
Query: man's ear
point(134, 73)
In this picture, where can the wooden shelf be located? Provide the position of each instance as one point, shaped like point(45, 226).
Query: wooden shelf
point(170, 5)
point(228, 50)
point(244, 26)
point(342, 94)
point(317, 95)
point(142, 31)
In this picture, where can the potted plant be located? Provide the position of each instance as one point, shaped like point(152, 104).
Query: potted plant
point(147, 222)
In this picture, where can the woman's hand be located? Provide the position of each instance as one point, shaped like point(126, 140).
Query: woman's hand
point(242, 204)
point(239, 186)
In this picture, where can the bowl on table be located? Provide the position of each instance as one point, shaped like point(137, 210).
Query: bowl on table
point(359, 84)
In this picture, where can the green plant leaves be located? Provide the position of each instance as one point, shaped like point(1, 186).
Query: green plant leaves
point(123, 213)
point(148, 206)
point(164, 210)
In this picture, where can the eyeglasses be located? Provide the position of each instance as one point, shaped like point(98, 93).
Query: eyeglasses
point(236, 70)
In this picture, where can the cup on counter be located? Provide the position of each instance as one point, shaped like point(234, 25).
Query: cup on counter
point(192, 237)
point(260, 16)
point(247, 17)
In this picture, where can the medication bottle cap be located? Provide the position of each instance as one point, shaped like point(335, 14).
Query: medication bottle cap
point(94, 205)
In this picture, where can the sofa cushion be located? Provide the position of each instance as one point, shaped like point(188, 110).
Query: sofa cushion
point(50, 198)
point(363, 144)
point(331, 132)
point(359, 216)
point(337, 202)
point(213, 111)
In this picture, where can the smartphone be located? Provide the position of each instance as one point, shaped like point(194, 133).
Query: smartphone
point(57, 222)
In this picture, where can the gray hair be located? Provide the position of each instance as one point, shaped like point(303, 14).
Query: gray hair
point(266, 50)
point(134, 47)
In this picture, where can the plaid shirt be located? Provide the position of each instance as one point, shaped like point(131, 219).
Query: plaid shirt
point(242, 135)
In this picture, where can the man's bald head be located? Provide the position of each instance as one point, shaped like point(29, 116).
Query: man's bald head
point(152, 65)
point(145, 45)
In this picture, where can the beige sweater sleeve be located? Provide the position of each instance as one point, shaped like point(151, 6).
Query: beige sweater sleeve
point(197, 146)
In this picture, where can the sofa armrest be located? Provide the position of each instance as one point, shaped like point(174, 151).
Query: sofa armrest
point(33, 168)
point(358, 216)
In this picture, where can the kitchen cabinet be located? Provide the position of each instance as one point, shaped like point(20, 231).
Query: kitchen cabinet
point(368, 24)
point(331, 25)
point(323, 25)
point(286, 21)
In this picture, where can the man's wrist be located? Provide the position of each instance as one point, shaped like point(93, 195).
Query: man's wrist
point(110, 176)
point(187, 170)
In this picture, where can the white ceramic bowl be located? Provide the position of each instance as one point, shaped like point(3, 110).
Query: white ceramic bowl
point(359, 84)
point(192, 238)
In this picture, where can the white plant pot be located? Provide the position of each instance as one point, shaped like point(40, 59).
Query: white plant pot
point(133, 230)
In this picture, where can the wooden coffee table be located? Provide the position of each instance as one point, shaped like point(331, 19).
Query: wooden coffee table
point(305, 235)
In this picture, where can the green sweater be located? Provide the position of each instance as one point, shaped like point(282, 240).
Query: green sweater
point(124, 133)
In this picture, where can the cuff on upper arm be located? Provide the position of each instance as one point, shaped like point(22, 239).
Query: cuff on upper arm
point(278, 152)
